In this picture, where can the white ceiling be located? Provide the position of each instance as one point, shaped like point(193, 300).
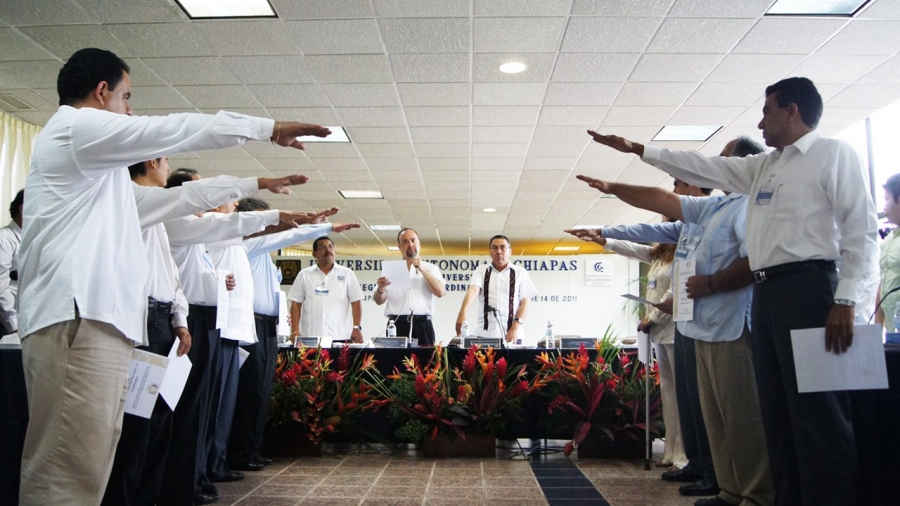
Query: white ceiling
point(435, 126)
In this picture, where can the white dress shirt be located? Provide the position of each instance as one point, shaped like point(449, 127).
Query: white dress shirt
point(230, 255)
point(10, 236)
point(819, 207)
point(187, 236)
point(326, 300)
point(266, 277)
point(81, 243)
point(417, 299)
point(498, 298)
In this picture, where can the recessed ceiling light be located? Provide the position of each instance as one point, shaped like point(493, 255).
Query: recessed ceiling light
point(489, 210)
point(567, 248)
point(513, 67)
point(205, 9)
point(384, 227)
point(686, 132)
point(338, 134)
point(847, 8)
point(361, 194)
point(393, 248)
point(587, 227)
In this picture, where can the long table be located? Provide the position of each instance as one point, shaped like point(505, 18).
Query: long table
point(874, 414)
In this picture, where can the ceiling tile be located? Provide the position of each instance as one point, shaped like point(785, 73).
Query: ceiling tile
point(316, 115)
point(413, 94)
point(62, 41)
point(497, 35)
point(165, 40)
point(569, 115)
point(555, 150)
point(674, 67)
point(337, 177)
point(486, 67)
point(654, 93)
point(886, 73)
point(754, 68)
point(499, 150)
point(608, 8)
point(609, 35)
point(487, 176)
point(698, 35)
point(318, 36)
point(419, 9)
point(331, 150)
point(726, 94)
point(792, 35)
point(316, 9)
point(581, 93)
point(386, 150)
point(219, 97)
point(443, 150)
point(482, 164)
point(865, 37)
point(326, 164)
point(560, 134)
point(371, 116)
point(40, 102)
point(376, 164)
point(425, 35)
point(289, 95)
point(362, 68)
point(432, 176)
point(362, 94)
point(29, 74)
point(691, 115)
point(836, 68)
point(501, 134)
point(504, 116)
point(882, 10)
point(637, 116)
point(553, 164)
point(522, 8)
point(443, 164)
point(199, 71)
point(437, 116)
point(508, 93)
point(269, 69)
point(391, 135)
point(266, 37)
point(19, 48)
point(45, 12)
point(424, 68)
point(594, 67)
point(719, 9)
point(439, 134)
point(865, 95)
point(157, 97)
point(116, 11)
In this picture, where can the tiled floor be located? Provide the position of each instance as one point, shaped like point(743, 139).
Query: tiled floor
point(353, 478)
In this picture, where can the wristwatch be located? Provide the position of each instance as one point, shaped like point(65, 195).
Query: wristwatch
point(845, 302)
point(358, 327)
point(520, 321)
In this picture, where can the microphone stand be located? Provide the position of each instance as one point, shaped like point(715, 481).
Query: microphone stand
point(892, 290)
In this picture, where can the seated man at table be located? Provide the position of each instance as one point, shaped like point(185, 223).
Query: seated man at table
point(503, 291)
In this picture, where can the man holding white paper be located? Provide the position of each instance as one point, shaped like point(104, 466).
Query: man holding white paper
point(411, 309)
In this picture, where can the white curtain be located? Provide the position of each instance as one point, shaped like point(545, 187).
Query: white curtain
point(16, 144)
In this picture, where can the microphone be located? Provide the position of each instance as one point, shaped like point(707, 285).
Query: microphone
point(415, 255)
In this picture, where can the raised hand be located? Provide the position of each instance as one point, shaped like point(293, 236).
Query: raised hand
point(595, 235)
point(617, 143)
point(280, 184)
point(285, 133)
point(340, 227)
point(599, 184)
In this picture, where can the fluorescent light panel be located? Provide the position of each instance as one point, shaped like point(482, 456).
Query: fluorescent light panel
point(206, 9)
point(587, 227)
point(513, 67)
point(385, 227)
point(361, 194)
point(566, 248)
point(393, 248)
point(686, 132)
point(338, 134)
point(847, 8)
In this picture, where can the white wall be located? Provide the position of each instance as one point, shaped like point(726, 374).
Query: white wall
point(564, 297)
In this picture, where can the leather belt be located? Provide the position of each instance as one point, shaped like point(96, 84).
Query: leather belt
point(783, 270)
point(266, 318)
point(406, 317)
point(154, 305)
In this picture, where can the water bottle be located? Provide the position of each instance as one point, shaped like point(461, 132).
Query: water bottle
point(897, 318)
point(464, 329)
point(391, 329)
point(550, 339)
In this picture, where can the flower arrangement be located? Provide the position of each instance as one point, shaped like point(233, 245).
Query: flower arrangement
point(476, 398)
point(312, 390)
point(604, 395)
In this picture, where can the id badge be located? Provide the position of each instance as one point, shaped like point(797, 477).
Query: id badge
point(764, 196)
point(651, 284)
point(321, 290)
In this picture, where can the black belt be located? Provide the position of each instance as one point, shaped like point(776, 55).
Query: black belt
point(154, 305)
point(266, 318)
point(414, 318)
point(197, 308)
point(783, 270)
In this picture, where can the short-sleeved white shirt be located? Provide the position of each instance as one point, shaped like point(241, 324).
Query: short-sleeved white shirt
point(326, 300)
point(499, 297)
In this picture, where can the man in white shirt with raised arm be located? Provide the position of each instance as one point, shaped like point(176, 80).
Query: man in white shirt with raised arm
point(809, 213)
point(83, 269)
point(10, 237)
point(503, 291)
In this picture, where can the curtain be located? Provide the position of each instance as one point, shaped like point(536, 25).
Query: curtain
point(16, 144)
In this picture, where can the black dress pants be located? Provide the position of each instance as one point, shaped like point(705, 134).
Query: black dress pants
point(690, 416)
point(422, 329)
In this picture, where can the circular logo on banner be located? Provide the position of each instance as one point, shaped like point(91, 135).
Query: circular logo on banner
point(598, 267)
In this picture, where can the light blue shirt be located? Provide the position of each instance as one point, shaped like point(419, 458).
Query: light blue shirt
point(714, 235)
point(266, 277)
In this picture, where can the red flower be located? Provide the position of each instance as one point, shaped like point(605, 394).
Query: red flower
point(469, 361)
point(501, 367)
point(343, 362)
point(289, 377)
point(624, 360)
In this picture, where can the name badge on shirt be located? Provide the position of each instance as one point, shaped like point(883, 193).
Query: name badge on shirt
point(651, 283)
point(321, 290)
point(764, 197)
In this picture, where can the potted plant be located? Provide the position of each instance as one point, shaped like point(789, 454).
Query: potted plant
point(601, 399)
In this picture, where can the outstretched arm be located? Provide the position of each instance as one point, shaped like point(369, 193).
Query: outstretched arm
point(650, 198)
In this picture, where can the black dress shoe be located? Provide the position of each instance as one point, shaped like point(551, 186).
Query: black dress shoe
point(247, 466)
point(209, 489)
point(231, 476)
point(702, 487)
point(712, 501)
point(206, 498)
point(262, 460)
point(681, 475)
